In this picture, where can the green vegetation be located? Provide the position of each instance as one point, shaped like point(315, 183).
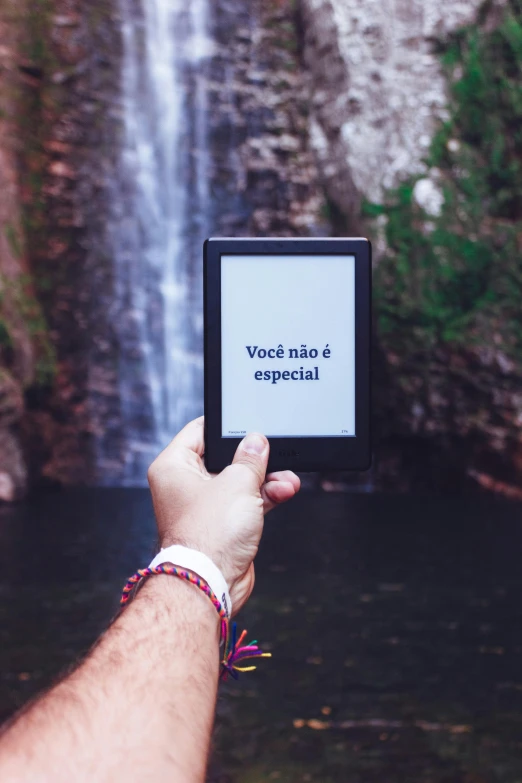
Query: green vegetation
point(456, 277)
point(37, 20)
point(20, 311)
point(13, 240)
point(19, 304)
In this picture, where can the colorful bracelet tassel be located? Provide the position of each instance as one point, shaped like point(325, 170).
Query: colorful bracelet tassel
point(234, 651)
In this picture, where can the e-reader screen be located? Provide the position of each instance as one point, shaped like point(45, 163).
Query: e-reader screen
point(288, 345)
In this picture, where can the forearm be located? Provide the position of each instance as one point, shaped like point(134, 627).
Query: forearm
point(142, 703)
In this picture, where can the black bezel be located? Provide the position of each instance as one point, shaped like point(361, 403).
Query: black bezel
point(299, 454)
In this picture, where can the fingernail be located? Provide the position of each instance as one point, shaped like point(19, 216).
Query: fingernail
point(254, 444)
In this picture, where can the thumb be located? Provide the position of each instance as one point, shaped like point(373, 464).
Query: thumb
point(253, 452)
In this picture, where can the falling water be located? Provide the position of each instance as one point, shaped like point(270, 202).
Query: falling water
point(160, 219)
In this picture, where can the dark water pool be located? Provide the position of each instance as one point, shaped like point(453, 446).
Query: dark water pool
point(395, 625)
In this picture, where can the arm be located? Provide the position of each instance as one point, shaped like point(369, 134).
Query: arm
point(142, 703)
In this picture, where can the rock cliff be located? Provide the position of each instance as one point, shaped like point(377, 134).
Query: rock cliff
point(68, 61)
point(400, 93)
point(318, 110)
point(376, 89)
point(18, 357)
point(266, 180)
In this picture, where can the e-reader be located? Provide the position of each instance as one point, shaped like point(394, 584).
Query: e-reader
point(287, 350)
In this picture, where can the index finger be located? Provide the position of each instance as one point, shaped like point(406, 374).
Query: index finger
point(192, 437)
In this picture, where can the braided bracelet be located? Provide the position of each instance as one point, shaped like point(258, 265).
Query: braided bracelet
point(234, 651)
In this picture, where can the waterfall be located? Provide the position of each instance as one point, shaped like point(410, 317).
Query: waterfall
point(159, 219)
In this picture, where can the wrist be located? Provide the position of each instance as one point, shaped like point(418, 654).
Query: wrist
point(176, 602)
point(196, 566)
point(172, 540)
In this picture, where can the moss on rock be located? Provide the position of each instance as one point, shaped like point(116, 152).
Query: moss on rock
point(453, 274)
point(448, 289)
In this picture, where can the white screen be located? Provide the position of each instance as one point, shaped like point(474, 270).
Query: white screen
point(282, 303)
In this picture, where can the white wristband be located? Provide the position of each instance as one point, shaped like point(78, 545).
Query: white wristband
point(200, 564)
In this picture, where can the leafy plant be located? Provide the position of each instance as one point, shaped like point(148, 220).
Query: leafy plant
point(456, 276)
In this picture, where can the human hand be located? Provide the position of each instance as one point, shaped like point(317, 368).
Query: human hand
point(221, 515)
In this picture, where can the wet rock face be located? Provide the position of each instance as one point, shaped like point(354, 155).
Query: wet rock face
point(457, 423)
point(13, 470)
point(376, 88)
point(17, 355)
point(262, 176)
point(69, 141)
point(265, 179)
